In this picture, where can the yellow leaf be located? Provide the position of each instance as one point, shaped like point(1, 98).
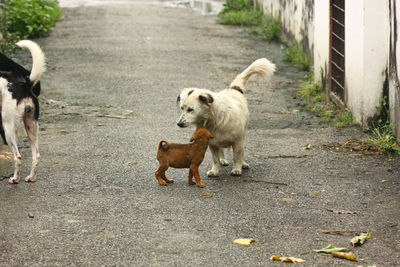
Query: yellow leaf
point(244, 241)
point(206, 195)
point(307, 146)
point(275, 258)
point(289, 200)
point(286, 259)
point(359, 240)
point(316, 192)
point(384, 181)
point(345, 255)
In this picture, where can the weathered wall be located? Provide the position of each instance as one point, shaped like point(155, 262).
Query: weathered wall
point(394, 66)
point(297, 20)
point(366, 53)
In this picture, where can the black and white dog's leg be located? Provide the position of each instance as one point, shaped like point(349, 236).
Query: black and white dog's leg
point(10, 130)
point(32, 130)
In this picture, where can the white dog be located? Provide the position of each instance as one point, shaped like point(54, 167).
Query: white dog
point(225, 114)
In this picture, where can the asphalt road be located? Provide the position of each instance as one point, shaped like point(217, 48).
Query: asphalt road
point(109, 95)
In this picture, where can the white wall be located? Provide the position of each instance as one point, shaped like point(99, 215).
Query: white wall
point(321, 40)
point(366, 54)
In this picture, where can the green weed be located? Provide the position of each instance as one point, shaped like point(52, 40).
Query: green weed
point(296, 55)
point(21, 19)
point(318, 102)
point(382, 133)
point(269, 29)
point(240, 18)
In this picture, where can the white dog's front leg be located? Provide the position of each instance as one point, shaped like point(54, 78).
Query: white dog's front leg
point(216, 163)
point(222, 159)
point(238, 158)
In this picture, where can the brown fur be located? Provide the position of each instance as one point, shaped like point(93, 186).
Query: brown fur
point(183, 156)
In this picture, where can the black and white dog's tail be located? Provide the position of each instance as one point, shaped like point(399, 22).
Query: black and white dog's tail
point(38, 60)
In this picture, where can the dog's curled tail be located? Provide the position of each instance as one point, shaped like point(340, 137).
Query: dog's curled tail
point(163, 144)
point(262, 67)
point(38, 59)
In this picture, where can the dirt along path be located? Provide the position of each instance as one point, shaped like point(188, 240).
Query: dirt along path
point(109, 95)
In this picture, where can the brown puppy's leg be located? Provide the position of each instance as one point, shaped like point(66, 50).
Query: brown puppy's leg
point(165, 178)
point(195, 170)
point(159, 173)
point(190, 178)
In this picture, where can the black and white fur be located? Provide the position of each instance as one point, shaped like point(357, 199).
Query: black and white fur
point(225, 114)
point(19, 91)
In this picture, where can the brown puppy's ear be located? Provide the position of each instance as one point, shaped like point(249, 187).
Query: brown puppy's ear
point(211, 136)
point(206, 99)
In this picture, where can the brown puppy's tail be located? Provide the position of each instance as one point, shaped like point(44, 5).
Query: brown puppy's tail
point(163, 144)
point(262, 67)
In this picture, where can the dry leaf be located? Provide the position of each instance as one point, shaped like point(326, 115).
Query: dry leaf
point(343, 211)
point(316, 192)
point(307, 147)
point(330, 249)
point(206, 195)
point(345, 255)
point(286, 259)
point(359, 240)
point(30, 215)
point(289, 200)
point(244, 241)
point(384, 181)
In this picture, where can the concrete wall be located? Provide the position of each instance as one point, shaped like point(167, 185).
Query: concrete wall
point(297, 20)
point(394, 65)
point(366, 57)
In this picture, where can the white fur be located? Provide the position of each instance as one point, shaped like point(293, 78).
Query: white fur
point(225, 114)
point(38, 59)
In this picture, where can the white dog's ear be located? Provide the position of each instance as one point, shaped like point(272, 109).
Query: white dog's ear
point(206, 99)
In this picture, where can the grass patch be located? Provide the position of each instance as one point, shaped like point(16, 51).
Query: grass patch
point(382, 134)
point(296, 55)
point(241, 18)
point(22, 19)
point(243, 13)
point(269, 29)
point(318, 102)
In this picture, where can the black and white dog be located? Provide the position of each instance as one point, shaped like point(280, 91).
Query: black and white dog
point(19, 91)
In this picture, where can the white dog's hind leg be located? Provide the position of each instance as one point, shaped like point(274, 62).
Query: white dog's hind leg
point(238, 158)
point(222, 159)
point(216, 163)
point(32, 130)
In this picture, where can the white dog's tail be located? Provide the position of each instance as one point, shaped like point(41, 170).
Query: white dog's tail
point(262, 67)
point(38, 59)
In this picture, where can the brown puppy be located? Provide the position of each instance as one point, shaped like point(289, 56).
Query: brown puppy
point(183, 156)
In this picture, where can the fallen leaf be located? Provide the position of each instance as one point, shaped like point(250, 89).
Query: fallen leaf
point(316, 192)
point(337, 211)
point(345, 255)
point(308, 146)
point(206, 195)
point(330, 249)
point(359, 240)
point(286, 259)
point(384, 181)
point(289, 200)
point(244, 241)
point(30, 215)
